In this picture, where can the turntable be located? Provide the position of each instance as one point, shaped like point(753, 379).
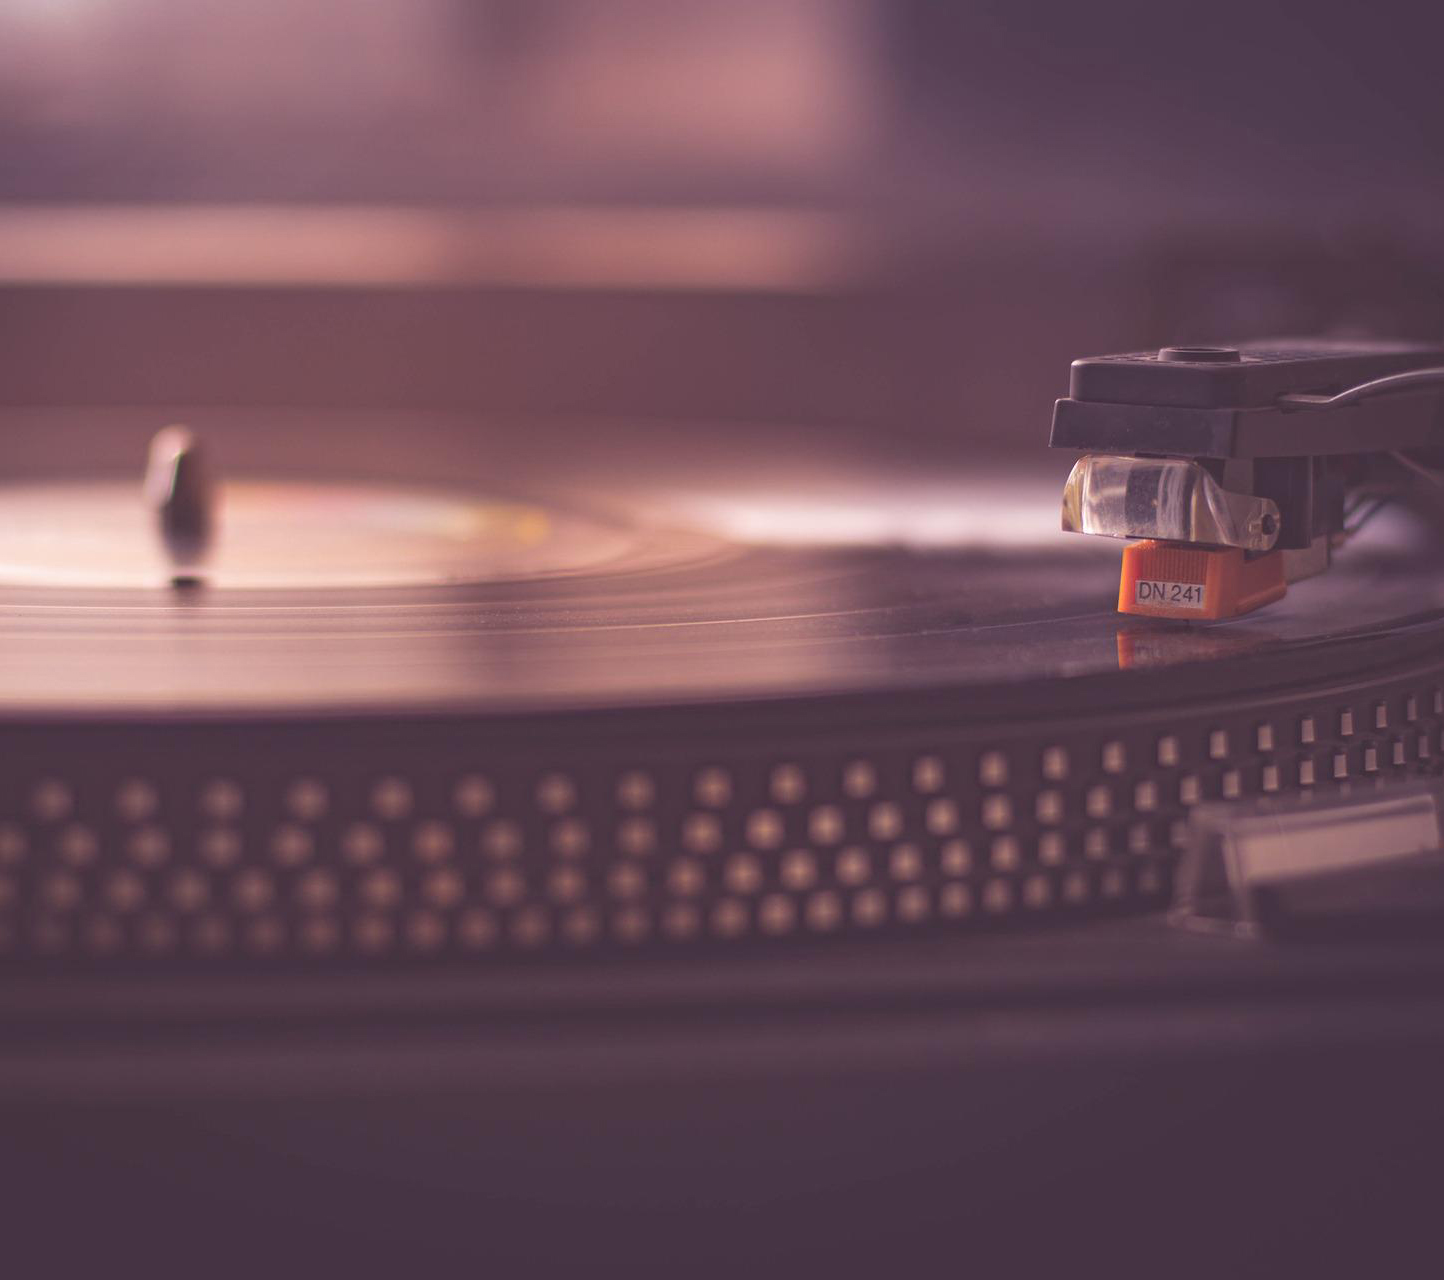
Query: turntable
point(385, 826)
point(573, 700)
point(289, 719)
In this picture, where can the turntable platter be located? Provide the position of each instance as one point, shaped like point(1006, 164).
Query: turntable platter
point(401, 716)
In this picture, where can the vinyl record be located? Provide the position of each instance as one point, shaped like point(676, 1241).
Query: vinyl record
point(393, 719)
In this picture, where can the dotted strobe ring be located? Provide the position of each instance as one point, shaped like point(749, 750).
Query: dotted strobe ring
point(292, 844)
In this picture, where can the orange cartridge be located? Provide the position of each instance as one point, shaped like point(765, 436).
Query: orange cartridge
point(1178, 580)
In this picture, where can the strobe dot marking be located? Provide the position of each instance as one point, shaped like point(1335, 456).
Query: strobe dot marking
point(1055, 764)
point(712, 788)
point(636, 791)
point(993, 769)
point(555, 793)
point(51, 800)
point(391, 798)
point(859, 780)
point(221, 800)
point(788, 784)
point(307, 799)
point(136, 800)
point(473, 796)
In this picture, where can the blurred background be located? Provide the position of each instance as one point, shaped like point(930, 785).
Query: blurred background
point(884, 225)
point(712, 234)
